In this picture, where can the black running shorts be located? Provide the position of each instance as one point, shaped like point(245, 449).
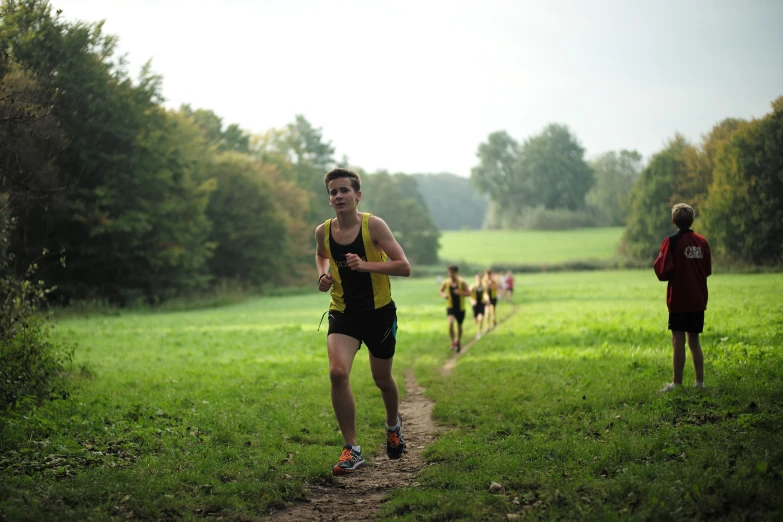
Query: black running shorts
point(459, 315)
point(493, 301)
point(478, 310)
point(375, 328)
point(692, 322)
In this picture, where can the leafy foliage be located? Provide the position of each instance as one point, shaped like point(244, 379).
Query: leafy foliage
point(397, 200)
point(547, 171)
point(652, 199)
point(615, 175)
point(31, 360)
point(745, 202)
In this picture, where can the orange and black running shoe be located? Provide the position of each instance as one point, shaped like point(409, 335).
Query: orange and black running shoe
point(395, 444)
point(351, 459)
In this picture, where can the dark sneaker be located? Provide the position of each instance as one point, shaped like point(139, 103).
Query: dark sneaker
point(350, 461)
point(395, 444)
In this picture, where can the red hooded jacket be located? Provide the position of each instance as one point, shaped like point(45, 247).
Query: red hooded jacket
point(685, 261)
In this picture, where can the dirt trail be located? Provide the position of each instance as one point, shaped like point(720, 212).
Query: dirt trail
point(452, 362)
point(359, 496)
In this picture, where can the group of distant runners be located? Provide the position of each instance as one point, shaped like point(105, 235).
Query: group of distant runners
point(484, 293)
point(355, 255)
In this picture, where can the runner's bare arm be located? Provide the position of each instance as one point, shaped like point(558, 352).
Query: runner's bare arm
point(383, 239)
point(322, 261)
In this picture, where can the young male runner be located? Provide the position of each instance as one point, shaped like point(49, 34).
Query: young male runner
point(355, 255)
point(478, 297)
point(491, 284)
point(453, 290)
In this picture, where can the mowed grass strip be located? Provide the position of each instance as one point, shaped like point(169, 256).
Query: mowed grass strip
point(530, 247)
point(560, 406)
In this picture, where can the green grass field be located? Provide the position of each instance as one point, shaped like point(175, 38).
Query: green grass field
point(190, 414)
point(530, 247)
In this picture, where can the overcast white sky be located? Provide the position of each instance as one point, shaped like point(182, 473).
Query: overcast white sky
point(415, 86)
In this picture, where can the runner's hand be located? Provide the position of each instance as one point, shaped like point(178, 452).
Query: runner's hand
point(354, 262)
point(325, 283)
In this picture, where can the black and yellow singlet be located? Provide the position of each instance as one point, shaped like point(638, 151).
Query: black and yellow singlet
point(492, 287)
point(454, 301)
point(477, 294)
point(356, 291)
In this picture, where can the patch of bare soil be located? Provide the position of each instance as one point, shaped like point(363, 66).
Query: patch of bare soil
point(358, 496)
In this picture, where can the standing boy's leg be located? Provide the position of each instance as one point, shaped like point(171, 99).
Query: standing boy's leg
point(698, 357)
point(678, 355)
point(342, 350)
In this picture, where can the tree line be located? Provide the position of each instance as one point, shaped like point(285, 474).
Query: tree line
point(109, 195)
point(733, 179)
point(546, 182)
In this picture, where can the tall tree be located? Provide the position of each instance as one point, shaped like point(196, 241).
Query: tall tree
point(745, 202)
point(615, 175)
point(300, 153)
point(547, 171)
point(497, 173)
point(652, 198)
point(397, 200)
point(554, 170)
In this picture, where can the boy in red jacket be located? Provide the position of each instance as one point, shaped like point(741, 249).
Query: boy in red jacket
point(685, 261)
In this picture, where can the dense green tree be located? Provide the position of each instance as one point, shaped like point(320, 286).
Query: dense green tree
point(301, 154)
point(615, 175)
point(547, 171)
point(232, 138)
point(397, 200)
point(249, 232)
point(745, 202)
point(649, 220)
point(554, 170)
point(130, 212)
point(498, 174)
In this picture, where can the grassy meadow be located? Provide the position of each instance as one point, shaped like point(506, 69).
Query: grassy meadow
point(226, 412)
point(530, 247)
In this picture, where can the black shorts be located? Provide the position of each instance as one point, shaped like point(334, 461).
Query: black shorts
point(376, 328)
point(692, 322)
point(493, 301)
point(478, 310)
point(459, 315)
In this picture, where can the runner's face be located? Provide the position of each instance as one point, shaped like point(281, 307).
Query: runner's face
point(342, 197)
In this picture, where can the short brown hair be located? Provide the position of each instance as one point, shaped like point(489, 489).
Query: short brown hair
point(333, 174)
point(453, 268)
point(683, 215)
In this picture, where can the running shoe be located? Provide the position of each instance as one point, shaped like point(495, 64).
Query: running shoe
point(395, 444)
point(351, 459)
point(669, 387)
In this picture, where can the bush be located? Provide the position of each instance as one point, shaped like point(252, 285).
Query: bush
point(31, 361)
point(540, 218)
